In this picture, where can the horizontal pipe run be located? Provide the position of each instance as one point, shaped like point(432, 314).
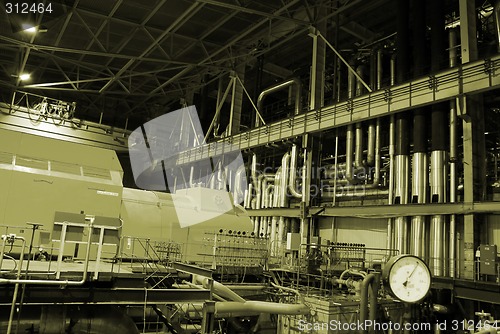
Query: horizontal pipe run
point(295, 82)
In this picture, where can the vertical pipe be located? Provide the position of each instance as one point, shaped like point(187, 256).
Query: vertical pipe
point(453, 149)
point(349, 175)
point(438, 154)
point(402, 142)
point(496, 12)
point(16, 286)
point(419, 161)
point(360, 70)
point(392, 145)
point(370, 156)
point(358, 162)
point(380, 68)
point(292, 186)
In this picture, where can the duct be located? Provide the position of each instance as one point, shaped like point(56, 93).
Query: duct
point(292, 82)
point(293, 174)
point(358, 162)
point(235, 309)
point(371, 282)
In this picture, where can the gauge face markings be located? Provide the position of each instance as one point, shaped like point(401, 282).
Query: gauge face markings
point(408, 278)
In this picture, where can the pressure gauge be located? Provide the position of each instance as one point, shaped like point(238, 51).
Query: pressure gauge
point(407, 277)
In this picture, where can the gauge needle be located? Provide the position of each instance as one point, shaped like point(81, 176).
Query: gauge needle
point(409, 276)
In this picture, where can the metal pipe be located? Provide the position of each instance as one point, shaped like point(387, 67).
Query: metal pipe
point(291, 82)
point(392, 144)
point(253, 170)
point(349, 174)
point(370, 156)
point(218, 288)
point(285, 169)
point(358, 162)
point(380, 68)
point(371, 281)
point(419, 195)
point(453, 145)
point(59, 282)
point(191, 184)
point(232, 309)
point(293, 174)
point(437, 230)
point(401, 197)
point(359, 85)
point(238, 193)
point(16, 287)
point(351, 82)
point(496, 11)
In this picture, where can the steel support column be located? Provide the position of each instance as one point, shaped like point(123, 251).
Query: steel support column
point(473, 139)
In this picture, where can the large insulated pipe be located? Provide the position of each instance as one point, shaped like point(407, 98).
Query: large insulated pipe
point(292, 184)
point(453, 143)
point(392, 148)
point(349, 147)
point(496, 11)
point(370, 156)
point(419, 162)
point(295, 82)
point(283, 201)
point(401, 172)
point(438, 154)
point(358, 162)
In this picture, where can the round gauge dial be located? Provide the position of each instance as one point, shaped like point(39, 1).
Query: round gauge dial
point(408, 278)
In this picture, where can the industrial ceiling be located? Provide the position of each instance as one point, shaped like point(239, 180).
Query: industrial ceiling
point(125, 59)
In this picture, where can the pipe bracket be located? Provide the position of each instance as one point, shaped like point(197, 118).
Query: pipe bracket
point(350, 106)
point(489, 67)
point(317, 114)
point(433, 83)
point(387, 95)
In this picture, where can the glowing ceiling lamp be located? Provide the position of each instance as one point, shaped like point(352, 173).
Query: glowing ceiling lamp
point(24, 76)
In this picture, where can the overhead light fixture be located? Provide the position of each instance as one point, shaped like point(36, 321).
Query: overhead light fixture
point(24, 76)
point(31, 29)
